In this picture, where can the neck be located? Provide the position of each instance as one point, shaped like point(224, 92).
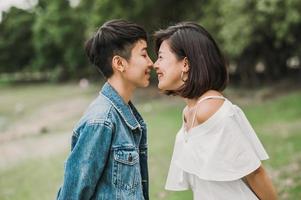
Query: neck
point(192, 102)
point(125, 90)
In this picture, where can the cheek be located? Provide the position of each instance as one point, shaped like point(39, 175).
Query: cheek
point(136, 67)
point(173, 74)
point(166, 66)
point(171, 79)
point(135, 73)
point(172, 70)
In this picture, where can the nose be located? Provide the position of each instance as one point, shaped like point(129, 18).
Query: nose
point(151, 62)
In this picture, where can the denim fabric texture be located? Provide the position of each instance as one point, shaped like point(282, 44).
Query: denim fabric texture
point(108, 158)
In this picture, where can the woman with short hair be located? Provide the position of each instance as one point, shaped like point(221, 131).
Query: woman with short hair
point(217, 153)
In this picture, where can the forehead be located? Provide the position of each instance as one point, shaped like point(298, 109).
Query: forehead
point(140, 45)
point(164, 47)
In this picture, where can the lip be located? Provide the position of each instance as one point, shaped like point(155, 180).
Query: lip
point(160, 75)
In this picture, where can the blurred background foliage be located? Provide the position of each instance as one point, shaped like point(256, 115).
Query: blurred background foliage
point(260, 38)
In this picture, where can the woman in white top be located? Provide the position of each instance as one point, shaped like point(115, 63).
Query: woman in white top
point(217, 153)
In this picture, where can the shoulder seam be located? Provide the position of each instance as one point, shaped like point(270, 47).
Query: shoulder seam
point(106, 121)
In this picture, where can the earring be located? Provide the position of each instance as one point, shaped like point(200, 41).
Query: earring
point(182, 76)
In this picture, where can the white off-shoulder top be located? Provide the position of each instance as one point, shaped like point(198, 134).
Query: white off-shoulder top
point(213, 157)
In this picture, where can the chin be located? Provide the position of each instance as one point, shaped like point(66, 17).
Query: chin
point(145, 84)
point(161, 86)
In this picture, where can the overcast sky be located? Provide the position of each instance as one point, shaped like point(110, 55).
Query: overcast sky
point(6, 4)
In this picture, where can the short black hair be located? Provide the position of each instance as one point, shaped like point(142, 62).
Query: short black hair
point(115, 37)
point(208, 68)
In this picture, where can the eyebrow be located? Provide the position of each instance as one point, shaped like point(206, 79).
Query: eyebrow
point(144, 49)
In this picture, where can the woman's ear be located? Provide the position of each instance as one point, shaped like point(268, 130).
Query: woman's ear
point(186, 66)
point(118, 63)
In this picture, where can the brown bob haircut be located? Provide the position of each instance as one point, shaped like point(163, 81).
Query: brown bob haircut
point(207, 65)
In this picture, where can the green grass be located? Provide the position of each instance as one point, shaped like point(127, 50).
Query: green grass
point(34, 179)
point(278, 124)
point(284, 109)
point(33, 96)
point(21, 101)
point(276, 121)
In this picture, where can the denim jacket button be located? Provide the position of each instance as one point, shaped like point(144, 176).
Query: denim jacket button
point(130, 158)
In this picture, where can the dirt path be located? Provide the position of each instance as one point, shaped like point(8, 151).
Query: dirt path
point(46, 131)
point(45, 119)
point(16, 151)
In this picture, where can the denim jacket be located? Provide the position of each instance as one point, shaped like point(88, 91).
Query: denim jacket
point(108, 158)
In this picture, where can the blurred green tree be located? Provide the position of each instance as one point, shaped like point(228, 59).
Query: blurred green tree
point(257, 31)
point(249, 32)
point(58, 39)
point(16, 44)
point(151, 14)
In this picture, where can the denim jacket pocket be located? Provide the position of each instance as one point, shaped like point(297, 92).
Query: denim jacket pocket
point(126, 168)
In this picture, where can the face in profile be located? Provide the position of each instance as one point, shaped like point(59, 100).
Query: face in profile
point(168, 68)
point(138, 67)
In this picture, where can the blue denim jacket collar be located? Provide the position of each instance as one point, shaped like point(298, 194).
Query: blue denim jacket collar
point(130, 117)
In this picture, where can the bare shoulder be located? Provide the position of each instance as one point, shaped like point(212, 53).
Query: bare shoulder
point(207, 108)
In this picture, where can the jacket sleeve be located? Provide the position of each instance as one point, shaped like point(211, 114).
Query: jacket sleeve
point(86, 162)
